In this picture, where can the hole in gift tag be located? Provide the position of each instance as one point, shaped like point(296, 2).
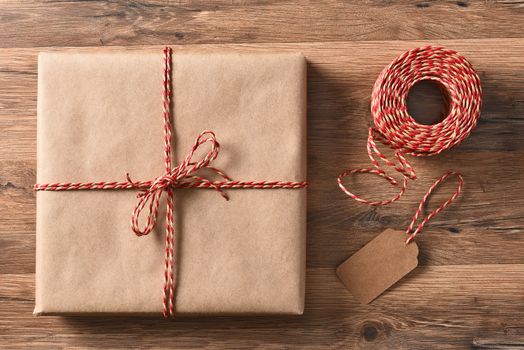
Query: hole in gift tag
point(378, 265)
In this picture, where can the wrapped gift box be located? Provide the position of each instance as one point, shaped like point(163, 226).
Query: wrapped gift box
point(100, 116)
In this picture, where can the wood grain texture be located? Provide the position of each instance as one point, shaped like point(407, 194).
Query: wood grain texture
point(467, 293)
point(29, 23)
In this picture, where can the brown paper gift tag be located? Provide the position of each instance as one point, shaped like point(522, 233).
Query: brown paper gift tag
point(378, 265)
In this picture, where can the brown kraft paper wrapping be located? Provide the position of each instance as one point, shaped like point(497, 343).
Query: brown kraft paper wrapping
point(100, 116)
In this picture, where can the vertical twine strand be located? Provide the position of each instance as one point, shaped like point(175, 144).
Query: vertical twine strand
point(168, 297)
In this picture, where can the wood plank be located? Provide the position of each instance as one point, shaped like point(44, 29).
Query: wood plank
point(96, 23)
point(453, 306)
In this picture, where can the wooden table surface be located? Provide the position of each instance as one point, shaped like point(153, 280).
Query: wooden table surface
point(468, 291)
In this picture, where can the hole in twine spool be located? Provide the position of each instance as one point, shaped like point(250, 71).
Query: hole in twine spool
point(428, 102)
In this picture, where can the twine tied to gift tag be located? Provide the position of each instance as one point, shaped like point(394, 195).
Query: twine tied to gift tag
point(395, 128)
point(184, 175)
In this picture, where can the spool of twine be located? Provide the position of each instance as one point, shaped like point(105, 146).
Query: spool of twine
point(396, 128)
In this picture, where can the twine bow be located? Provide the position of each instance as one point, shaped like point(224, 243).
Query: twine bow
point(183, 175)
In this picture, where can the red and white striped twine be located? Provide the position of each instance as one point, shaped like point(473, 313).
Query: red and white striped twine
point(183, 175)
point(397, 129)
